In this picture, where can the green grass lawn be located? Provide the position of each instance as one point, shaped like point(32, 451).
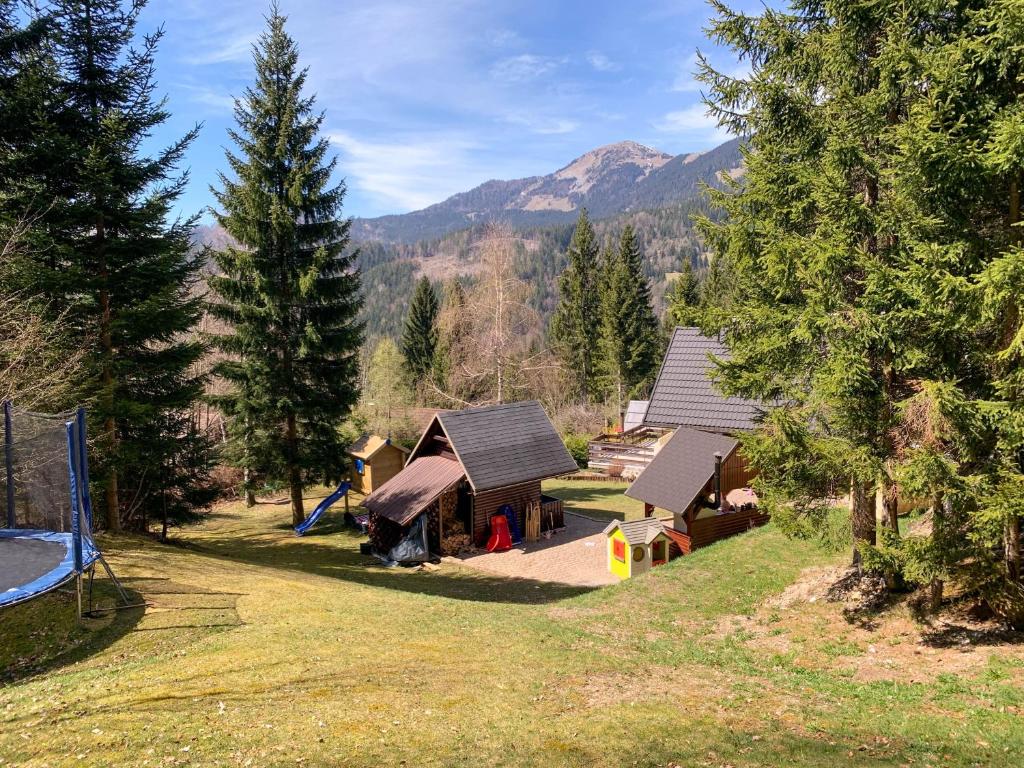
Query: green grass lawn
point(597, 499)
point(264, 649)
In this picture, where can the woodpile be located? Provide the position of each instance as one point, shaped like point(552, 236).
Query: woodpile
point(454, 539)
point(456, 544)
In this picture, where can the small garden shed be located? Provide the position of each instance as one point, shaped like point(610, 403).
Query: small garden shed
point(375, 460)
point(636, 546)
point(468, 465)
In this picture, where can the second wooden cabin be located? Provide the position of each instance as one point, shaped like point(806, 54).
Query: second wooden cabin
point(467, 466)
point(698, 474)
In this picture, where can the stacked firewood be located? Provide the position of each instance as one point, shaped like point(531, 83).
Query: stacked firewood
point(454, 540)
point(457, 543)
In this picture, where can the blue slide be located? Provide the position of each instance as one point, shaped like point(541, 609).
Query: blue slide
point(322, 507)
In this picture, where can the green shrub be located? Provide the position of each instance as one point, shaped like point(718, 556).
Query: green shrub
point(577, 447)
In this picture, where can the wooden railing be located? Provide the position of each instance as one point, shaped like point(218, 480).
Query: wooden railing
point(711, 529)
point(552, 513)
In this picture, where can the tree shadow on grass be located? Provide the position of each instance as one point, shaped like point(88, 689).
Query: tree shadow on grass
point(345, 563)
point(44, 634)
point(956, 636)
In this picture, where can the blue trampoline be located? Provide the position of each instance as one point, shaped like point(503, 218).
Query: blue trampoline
point(46, 539)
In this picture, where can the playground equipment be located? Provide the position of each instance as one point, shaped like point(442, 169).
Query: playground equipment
point(46, 534)
point(501, 539)
point(322, 507)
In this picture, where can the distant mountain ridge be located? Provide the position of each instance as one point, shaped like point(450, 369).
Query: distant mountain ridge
point(609, 180)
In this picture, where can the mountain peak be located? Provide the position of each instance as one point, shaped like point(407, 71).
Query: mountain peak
point(610, 179)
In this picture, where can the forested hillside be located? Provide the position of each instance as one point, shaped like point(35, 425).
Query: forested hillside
point(666, 235)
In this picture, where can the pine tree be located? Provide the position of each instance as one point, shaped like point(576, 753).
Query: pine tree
point(419, 339)
point(683, 298)
point(629, 344)
point(575, 327)
point(870, 250)
point(108, 257)
point(288, 291)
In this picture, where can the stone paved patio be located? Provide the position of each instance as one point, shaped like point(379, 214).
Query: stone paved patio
point(576, 556)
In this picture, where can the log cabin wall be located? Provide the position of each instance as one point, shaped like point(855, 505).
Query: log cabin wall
point(488, 503)
point(735, 473)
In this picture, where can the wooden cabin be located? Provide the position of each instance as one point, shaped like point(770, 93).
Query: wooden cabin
point(693, 473)
point(375, 460)
point(470, 464)
point(703, 481)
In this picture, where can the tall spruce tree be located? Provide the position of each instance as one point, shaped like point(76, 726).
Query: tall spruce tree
point(683, 298)
point(108, 258)
point(629, 342)
point(870, 248)
point(288, 290)
point(576, 325)
point(419, 338)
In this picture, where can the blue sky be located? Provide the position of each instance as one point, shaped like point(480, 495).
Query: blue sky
point(425, 99)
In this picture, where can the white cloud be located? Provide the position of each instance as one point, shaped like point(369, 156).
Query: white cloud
point(686, 81)
point(407, 175)
point(210, 97)
point(526, 66)
point(602, 63)
point(546, 126)
point(693, 120)
point(215, 50)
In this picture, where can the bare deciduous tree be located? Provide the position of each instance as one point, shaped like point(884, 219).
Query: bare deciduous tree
point(495, 350)
point(38, 368)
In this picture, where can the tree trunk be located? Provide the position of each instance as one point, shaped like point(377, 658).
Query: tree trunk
point(294, 473)
point(862, 516)
point(937, 585)
point(891, 504)
point(107, 378)
point(1013, 558)
point(250, 497)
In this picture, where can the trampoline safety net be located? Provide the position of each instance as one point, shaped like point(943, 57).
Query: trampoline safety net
point(45, 485)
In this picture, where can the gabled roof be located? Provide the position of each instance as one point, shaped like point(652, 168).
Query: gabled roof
point(637, 531)
point(681, 469)
point(368, 445)
point(684, 395)
point(412, 490)
point(502, 445)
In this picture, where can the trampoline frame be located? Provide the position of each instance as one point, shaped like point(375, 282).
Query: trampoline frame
point(81, 552)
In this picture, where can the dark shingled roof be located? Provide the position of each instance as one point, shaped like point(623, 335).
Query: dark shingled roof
point(637, 531)
point(681, 469)
point(503, 445)
point(413, 489)
point(684, 395)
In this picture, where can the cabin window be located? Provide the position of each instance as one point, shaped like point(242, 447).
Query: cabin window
point(360, 467)
point(639, 553)
point(619, 550)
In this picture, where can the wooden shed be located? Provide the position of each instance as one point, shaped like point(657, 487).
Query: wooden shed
point(375, 460)
point(502, 452)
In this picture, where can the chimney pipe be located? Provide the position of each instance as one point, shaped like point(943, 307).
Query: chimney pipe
point(718, 480)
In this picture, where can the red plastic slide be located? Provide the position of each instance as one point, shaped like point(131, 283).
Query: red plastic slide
point(501, 539)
